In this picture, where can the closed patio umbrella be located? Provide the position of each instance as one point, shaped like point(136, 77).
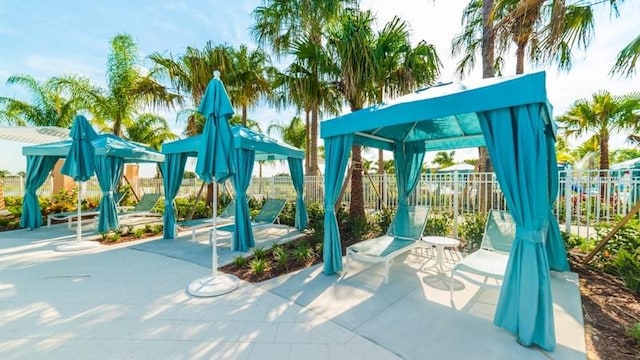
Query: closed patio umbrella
point(215, 164)
point(80, 166)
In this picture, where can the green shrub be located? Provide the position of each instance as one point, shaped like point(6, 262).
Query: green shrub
point(634, 332)
point(358, 227)
point(185, 206)
point(258, 266)
point(303, 252)
point(315, 213)
point(626, 238)
point(383, 218)
point(240, 261)
point(628, 267)
point(439, 224)
point(472, 230)
point(259, 253)
point(572, 241)
point(137, 233)
point(288, 214)
point(280, 256)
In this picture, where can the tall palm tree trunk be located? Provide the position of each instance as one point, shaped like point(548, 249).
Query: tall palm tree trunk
point(520, 57)
point(307, 143)
point(244, 115)
point(488, 49)
point(356, 207)
point(313, 166)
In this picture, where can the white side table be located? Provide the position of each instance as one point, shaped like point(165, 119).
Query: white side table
point(440, 242)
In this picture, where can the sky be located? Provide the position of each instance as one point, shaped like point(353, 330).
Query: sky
point(58, 37)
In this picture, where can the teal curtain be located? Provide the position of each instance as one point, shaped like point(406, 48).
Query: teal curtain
point(242, 234)
point(516, 141)
point(408, 163)
point(108, 171)
point(173, 171)
point(297, 176)
point(38, 168)
point(337, 150)
point(556, 253)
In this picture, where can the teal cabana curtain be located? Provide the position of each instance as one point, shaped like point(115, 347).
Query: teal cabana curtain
point(337, 153)
point(38, 168)
point(108, 171)
point(515, 139)
point(297, 177)
point(173, 171)
point(408, 163)
point(556, 253)
point(242, 234)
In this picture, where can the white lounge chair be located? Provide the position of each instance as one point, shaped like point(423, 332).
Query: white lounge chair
point(142, 208)
point(226, 217)
point(70, 216)
point(268, 215)
point(402, 236)
point(490, 261)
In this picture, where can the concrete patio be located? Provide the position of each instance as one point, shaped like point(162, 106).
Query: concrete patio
point(129, 301)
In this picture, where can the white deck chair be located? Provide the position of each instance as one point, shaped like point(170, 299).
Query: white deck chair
point(70, 216)
point(226, 217)
point(402, 236)
point(490, 261)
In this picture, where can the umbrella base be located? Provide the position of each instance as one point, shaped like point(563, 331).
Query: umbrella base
point(78, 246)
point(213, 286)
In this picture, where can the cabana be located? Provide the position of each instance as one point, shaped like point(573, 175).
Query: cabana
point(249, 147)
point(512, 118)
point(111, 153)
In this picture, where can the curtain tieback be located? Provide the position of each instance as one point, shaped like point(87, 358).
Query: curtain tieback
point(532, 235)
point(107, 193)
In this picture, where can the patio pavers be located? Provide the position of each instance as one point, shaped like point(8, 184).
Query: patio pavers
point(128, 301)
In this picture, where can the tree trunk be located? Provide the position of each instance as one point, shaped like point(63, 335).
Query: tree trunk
point(313, 157)
point(604, 151)
point(307, 144)
point(356, 207)
point(520, 57)
point(488, 46)
point(244, 115)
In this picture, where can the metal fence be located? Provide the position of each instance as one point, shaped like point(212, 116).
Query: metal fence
point(584, 199)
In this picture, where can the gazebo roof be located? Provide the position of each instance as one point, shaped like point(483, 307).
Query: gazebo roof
point(266, 148)
point(441, 117)
point(104, 144)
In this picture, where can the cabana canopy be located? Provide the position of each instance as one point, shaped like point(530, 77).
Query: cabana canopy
point(512, 118)
point(111, 152)
point(248, 147)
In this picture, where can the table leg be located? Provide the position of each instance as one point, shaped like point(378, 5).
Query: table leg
point(439, 255)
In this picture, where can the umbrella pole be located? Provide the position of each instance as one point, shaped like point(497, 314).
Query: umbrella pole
point(79, 227)
point(213, 235)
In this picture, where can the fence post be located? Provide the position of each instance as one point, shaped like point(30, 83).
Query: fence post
point(385, 190)
point(455, 203)
point(568, 204)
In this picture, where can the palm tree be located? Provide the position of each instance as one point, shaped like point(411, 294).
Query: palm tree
point(602, 115)
point(300, 86)
point(280, 24)
point(152, 130)
point(129, 88)
point(249, 79)
point(48, 106)
point(401, 68)
point(350, 43)
point(191, 72)
point(293, 134)
point(628, 59)
point(444, 159)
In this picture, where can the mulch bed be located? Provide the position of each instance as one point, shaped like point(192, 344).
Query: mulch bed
point(609, 309)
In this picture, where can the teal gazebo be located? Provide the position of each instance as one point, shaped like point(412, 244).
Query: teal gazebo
point(110, 154)
point(512, 118)
point(249, 146)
